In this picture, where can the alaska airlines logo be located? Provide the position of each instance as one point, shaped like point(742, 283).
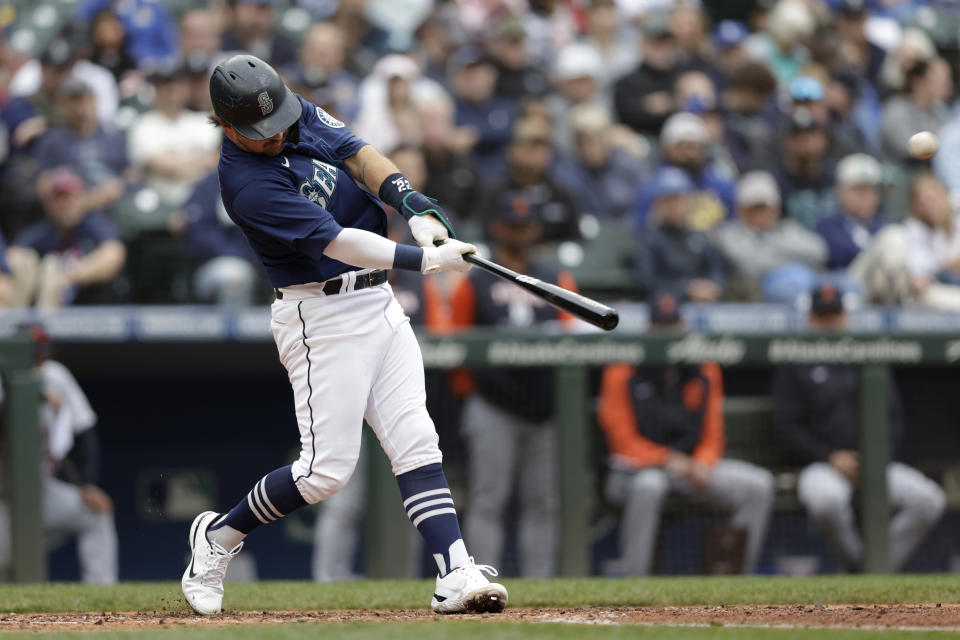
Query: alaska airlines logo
point(320, 186)
point(266, 104)
point(328, 119)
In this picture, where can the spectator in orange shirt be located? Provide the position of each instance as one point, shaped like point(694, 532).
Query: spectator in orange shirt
point(664, 432)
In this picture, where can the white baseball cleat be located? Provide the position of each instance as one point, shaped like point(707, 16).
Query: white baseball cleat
point(202, 581)
point(467, 590)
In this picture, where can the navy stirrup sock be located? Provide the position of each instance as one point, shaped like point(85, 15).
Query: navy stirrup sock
point(429, 505)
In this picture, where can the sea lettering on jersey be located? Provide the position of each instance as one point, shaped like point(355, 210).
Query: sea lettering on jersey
point(319, 187)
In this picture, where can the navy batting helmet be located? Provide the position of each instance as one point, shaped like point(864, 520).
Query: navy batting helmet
point(248, 94)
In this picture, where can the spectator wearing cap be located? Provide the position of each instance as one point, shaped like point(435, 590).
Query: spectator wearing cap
point(805, 171)
point(917, 108)
point(855, 114)
point(320, 72)
point(729, 37)
point(615, 43)
point(150, 27)
point(643, 99)
point(770, 258)
point(602, 175)
point(173, 145)
point(225, 266)
point(481, 110)
point(782, 44)
point(672, 257)
point(80, 143)
point(71, 257)
point(508, 420)
point(252, 30)
point(578, 77)
point(817, 416)
point(696, 93)
point(437, 39)
point(858, 219)
point(751, 116)
point(517, 77)
point(452, 176)
point(855, 50)
point(664, 430)
point(684, 145)
point(530, 179)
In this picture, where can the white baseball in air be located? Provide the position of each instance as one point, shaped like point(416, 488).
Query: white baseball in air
point(923, 145)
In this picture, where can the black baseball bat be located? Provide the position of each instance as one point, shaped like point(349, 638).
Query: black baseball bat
point(597, 314)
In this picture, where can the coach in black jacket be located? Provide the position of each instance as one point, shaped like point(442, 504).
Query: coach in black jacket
point(817, 412)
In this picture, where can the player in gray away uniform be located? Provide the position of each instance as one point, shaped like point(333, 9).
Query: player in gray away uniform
point(299, 185)
point(82, 509)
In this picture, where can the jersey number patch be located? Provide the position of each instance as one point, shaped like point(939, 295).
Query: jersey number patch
point(320, 186)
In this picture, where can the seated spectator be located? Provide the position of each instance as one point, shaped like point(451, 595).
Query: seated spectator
point(320, 73)
point(81, 144)
point(612, 39)
point(917, 262)
point(601, 174)
point(770, 258)
point(174, 146)
point(72, 257)
point(857, 220)
point(508, 416)
point(386, 116)
point(253, 31)
point(452, 177)
point(688, 26)
point(817, 414)
point(517, 77)
point(151, 29)
point(481, 110)
point(226, 265)
point(728, 39)
point(644, 98)
point(804, 170)
point(683, 145)
point(782, 43)
point(916, 109)
point(529, 180)
point(855, 50)
point(751, 116)
point(200, 33)
point(6, 282)
point(665, 433)
point(672, 257)
point(73, 504)
point(109, 40)
point(578, 77)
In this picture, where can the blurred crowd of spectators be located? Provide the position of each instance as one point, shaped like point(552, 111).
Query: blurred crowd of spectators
point(750, 159)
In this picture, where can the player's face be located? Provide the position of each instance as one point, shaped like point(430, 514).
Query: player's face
point(267, 147)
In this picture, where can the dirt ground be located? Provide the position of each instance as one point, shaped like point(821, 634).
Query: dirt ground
point(925, 616)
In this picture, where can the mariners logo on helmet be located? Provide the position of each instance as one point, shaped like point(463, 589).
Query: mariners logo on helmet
point(266, 104)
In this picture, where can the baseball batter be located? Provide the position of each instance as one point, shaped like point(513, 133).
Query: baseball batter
point(300, 186)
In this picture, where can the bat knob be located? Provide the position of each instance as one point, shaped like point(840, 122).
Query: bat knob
point(610, 320)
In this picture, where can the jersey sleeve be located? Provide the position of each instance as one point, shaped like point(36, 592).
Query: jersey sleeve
point(325, 136)
point(274, 209)
point(100, 228)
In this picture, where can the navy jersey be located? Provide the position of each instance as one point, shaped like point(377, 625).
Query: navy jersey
point(44, 237)
point(291, 206)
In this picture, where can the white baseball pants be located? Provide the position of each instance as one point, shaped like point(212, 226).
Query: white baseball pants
point(352, 356)
point(917, 500)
